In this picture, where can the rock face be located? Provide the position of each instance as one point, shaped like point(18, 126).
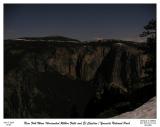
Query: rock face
point(146, 111)
point(77, 63)
point(69, 80)
point(121, 68)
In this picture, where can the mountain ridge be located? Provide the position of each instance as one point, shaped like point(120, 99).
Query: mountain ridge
point(109, 73)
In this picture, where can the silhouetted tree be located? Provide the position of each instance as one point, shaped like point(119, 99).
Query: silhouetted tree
point(150, 67)
point(150, 29)
point(150, 34)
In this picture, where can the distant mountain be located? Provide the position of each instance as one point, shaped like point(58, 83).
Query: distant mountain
point(63, 40)
point(49, 38)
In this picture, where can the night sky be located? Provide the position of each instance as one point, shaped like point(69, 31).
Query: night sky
point(83, 22)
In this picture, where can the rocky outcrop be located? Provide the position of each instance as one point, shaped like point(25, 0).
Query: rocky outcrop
point(146, 111)
point(122, 68)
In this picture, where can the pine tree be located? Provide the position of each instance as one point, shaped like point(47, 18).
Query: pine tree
point(150, 67)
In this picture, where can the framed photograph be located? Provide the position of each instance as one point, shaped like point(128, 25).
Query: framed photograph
point(79, 64)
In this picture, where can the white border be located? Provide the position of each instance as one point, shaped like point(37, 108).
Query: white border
point(20, 122)
point(81, 1)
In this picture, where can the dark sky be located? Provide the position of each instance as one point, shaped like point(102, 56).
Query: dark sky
point(83, 22)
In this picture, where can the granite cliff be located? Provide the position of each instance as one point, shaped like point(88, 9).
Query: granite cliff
point(51, 79)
